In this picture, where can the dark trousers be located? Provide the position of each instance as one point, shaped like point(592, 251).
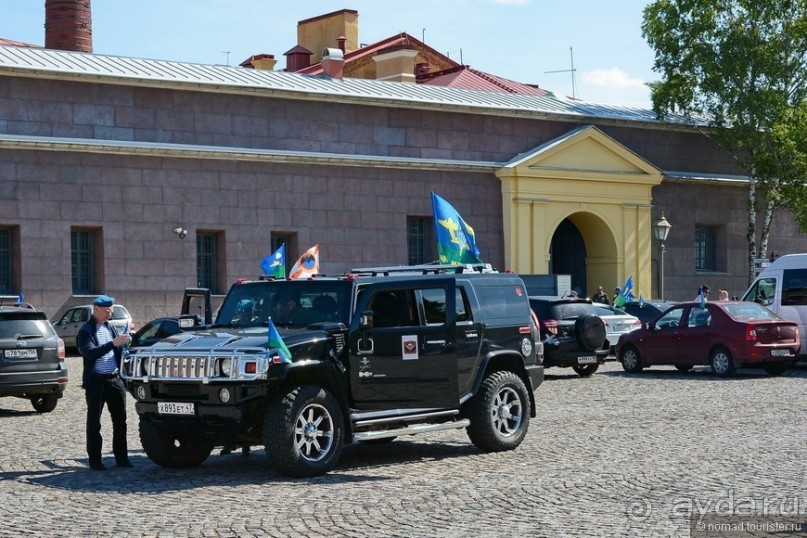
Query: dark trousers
point(109, 390)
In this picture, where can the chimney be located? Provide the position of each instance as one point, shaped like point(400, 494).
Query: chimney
point(297, 58)
point(68, 25)
point(323, 31)
point(265, 62)
point(340, 42)
point(395, 64)
point(333, 63)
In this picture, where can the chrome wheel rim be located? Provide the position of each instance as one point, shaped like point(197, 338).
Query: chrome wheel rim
point(314, 432)
point(506, 412)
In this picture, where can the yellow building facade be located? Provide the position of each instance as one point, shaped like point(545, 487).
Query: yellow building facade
point(600, 187)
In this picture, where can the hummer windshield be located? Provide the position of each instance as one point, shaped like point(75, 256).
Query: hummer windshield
point(289, 303)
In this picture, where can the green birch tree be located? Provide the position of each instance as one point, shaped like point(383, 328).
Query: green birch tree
point(736, 69)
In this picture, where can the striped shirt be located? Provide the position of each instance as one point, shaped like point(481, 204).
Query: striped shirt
point(105, 364)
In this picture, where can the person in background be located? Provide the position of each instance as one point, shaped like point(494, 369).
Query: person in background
point(702, 291)
point(600, 296)
point(616, 293)
point(102, 349)
point(722, 295)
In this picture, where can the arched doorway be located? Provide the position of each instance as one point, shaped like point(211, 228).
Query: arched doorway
point(567, 255)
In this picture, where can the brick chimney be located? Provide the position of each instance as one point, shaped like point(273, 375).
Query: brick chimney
point(68, 25)
point(264, 62)
point(323, 31)
point(333, 63)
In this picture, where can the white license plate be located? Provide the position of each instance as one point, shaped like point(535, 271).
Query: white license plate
point(20, 354)
point(780, 352)
point(586, 360)
point(176, 408)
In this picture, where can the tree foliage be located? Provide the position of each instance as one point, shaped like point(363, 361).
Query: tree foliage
point(737, 69)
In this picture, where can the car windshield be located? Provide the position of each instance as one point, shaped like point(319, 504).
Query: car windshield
point(749, 312)
point(24, 326)
point(288, 303)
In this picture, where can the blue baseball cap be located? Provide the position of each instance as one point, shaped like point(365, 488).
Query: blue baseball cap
point(104, 300)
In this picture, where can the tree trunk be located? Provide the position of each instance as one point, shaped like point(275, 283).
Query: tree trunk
point(752, 227)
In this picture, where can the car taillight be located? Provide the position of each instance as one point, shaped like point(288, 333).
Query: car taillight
point(750, 334)
point(60, 349)
point(637, 324)
point(550, 325)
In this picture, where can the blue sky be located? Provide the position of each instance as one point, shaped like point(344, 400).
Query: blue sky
point(517, 39)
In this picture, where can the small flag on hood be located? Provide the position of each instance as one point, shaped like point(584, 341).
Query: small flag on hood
point(276, 342)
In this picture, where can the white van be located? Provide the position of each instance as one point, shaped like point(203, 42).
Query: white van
point(782, 287)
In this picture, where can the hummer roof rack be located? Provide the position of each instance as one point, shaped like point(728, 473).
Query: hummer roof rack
point(424, 269)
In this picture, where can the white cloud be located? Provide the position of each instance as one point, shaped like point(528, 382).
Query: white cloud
point(611, 78)
point(613, 86)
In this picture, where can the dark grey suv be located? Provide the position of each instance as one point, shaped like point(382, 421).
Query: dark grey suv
point(572, 333)
point(31, 358)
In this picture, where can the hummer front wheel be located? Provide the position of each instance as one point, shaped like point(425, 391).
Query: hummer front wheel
point(499, 413)
point(304, 432)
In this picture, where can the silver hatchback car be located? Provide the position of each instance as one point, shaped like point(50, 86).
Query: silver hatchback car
point(68, 325)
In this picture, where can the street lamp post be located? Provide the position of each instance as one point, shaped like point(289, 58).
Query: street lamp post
point(661, 230)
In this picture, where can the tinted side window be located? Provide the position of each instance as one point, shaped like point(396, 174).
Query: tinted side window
point(572, 310)
point(794, 287)
point(699, 317)
point(434, 306)
point(504, 303)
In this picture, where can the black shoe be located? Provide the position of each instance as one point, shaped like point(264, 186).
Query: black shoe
point(97, 466)
point(127, 464)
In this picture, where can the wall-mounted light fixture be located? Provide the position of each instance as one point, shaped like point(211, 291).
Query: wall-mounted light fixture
point(181, 232)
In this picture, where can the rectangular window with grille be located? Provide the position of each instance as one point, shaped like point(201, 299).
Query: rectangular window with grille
point(6, 261)
point(83, 261)
point(705, 248)
point(420, 240)
point(207, 275)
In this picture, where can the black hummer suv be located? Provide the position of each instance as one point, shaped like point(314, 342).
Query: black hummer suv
point(572, 333)
point(375, 354)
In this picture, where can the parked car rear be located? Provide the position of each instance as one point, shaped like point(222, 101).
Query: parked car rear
point(616, 323)
point(69, 323)
point(725, 335)
point(31, 358)
point(572, 333)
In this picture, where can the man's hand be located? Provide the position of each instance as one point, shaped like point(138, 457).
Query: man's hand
point(121, 340)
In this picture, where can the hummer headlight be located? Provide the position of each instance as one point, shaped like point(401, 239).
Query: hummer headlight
point(226, 367)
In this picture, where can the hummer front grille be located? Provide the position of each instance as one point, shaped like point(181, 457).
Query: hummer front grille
point(238, 365)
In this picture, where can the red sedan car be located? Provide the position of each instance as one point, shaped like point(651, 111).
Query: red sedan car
point(725, 335)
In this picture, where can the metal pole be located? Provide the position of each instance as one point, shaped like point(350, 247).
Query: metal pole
point(661, 270)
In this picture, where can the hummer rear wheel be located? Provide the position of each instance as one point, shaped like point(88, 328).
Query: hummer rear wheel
point(499, 413)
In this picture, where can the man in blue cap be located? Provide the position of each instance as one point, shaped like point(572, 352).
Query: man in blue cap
point(102, 349)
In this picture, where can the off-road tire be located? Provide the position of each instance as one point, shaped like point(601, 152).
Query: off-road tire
point(499, 413)
point(44, 403)
point(589, 331)
point(169, 450)
point(585, 370)
point(303, 431)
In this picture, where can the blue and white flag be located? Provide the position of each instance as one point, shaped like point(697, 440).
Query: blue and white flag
point(275, 264)
point(456, 242)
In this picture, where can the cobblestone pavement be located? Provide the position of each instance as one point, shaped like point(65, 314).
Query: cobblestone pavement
point(611, 455)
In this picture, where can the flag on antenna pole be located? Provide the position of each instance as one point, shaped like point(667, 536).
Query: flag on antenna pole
point(275, 264)
point(307, 265)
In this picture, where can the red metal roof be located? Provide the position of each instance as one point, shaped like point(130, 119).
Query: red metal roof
point(465, 77)
point(10, 43)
